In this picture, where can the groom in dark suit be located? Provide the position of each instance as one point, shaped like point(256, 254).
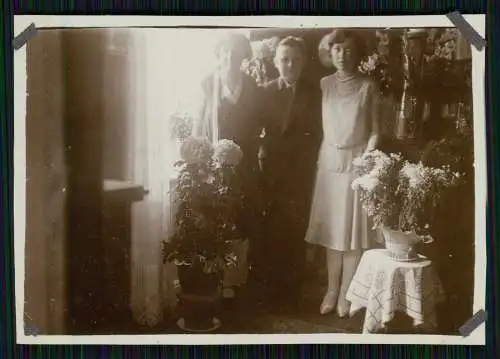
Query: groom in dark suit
point(288, 157)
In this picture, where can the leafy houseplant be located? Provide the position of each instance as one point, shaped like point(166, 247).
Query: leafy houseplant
point(208, 201)
point(401, 197)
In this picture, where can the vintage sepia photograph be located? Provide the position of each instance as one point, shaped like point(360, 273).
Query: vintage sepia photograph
point(260, 180)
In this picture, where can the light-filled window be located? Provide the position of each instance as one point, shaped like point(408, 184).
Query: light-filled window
point(164, 71)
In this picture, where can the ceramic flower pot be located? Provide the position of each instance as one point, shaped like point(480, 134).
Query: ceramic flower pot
point(199, 299)
point(401, 245)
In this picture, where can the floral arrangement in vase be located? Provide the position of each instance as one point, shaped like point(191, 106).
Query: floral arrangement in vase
point(401, 197)
point(208, 199)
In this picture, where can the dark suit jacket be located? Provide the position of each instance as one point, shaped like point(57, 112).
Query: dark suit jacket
point(293, 134)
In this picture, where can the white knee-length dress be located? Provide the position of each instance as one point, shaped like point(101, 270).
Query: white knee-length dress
point(337, 220)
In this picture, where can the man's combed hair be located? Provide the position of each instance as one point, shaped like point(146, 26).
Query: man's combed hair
point(295, 42)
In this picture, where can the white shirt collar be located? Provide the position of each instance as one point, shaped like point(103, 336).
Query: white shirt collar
point(285, 84)
point(233, 95)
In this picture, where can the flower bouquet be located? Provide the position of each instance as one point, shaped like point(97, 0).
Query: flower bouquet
point(401, 197)
point(208, 199)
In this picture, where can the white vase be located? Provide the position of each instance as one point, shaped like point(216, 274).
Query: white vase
point(401, 245)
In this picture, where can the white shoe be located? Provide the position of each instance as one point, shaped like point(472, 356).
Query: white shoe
point(343, 308)
point(328, 303)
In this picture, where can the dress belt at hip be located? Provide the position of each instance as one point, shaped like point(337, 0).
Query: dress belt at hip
point(345, 147)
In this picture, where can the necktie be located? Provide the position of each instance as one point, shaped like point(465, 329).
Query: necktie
point(289, 93)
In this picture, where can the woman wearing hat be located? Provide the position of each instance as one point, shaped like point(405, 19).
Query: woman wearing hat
point(350, 128)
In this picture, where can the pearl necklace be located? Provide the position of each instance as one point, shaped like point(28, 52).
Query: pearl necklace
point(347, 84)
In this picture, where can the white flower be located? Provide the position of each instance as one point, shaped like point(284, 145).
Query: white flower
point(223, 190)
point(227, 152)
point(393, 190)
point(366, 183)
point(196, 150)
point(359, 161)
point(370, 64)
point(211, 179)
point(179, 262)
point(414, 173)
point(231, 257)
point(373, 61)
point(396, 156)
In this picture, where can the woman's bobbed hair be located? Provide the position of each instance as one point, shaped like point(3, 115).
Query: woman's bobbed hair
point(338, 36)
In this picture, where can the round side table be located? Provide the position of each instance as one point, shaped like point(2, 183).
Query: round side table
point(384, 285)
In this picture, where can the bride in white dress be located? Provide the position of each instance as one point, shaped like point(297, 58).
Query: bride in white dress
point(350, 127)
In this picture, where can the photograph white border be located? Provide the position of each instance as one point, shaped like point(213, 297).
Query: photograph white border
point(477, 337)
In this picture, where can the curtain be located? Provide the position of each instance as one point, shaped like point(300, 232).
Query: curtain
point(166, 67)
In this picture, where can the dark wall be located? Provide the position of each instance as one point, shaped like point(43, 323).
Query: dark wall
point(44, 282)
point(116, 89)
point(84, 124)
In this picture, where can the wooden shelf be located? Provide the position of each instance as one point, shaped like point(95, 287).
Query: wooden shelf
point(122, 190)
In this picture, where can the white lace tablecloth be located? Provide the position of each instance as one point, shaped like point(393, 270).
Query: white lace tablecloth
point(383, 286)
